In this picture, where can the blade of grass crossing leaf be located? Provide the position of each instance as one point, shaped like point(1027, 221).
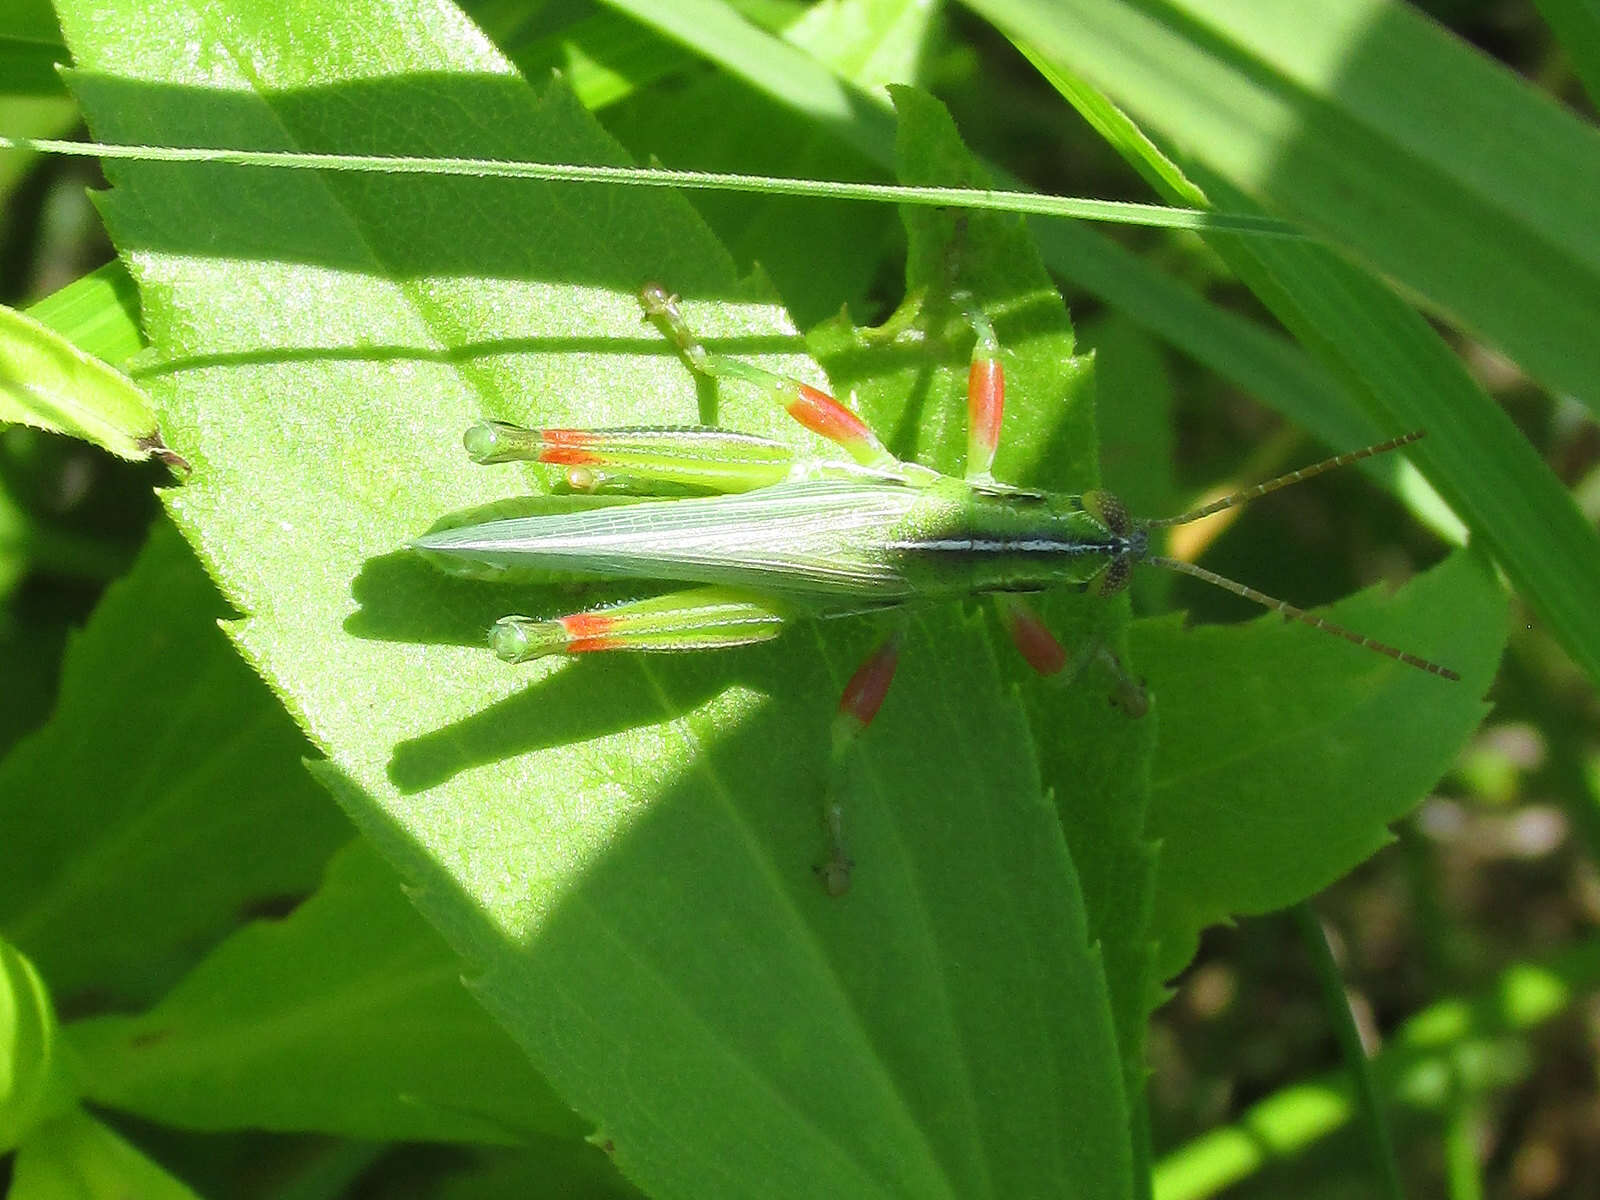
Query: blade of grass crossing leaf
point(597, 174)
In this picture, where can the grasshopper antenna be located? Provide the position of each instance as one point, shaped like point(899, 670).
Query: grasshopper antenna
point(1272, 602)
point(1283, 481)
point(1300, 614)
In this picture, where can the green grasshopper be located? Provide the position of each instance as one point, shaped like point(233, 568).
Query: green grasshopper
point(786, 537)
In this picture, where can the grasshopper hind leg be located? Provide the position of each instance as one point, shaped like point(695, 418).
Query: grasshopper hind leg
point(705, 618)
point(639, 458)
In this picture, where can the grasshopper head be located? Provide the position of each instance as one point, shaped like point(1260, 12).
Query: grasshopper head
point(1132, 539)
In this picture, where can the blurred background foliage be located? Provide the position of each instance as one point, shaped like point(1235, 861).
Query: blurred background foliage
point(1496, 869)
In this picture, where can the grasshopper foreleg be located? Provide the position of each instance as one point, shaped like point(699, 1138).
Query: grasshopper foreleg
point(812, 407)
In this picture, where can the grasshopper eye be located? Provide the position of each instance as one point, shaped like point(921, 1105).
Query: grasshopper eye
point(1108, 510)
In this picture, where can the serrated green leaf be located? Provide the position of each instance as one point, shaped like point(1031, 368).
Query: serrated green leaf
point(347, 1017)
point(619, 847)
point(1285, 755)
point(165, 795)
